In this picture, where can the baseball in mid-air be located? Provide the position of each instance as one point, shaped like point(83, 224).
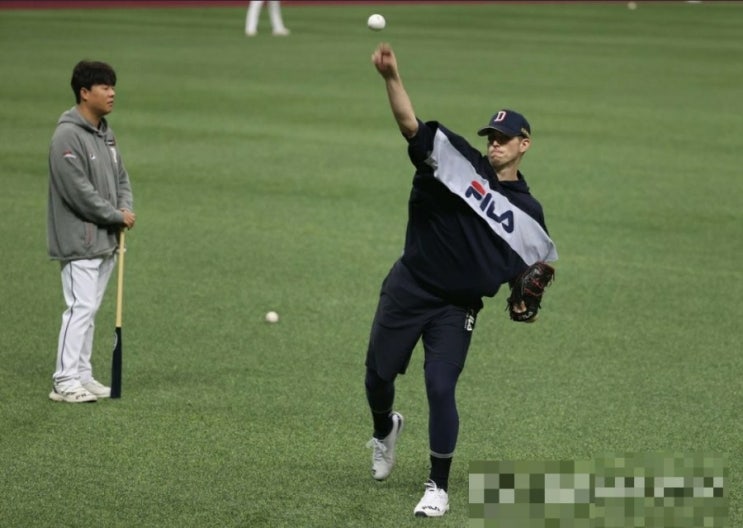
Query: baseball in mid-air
point(376, 22)
point(272, 317)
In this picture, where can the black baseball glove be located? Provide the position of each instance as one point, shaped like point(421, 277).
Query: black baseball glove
point(526, 292)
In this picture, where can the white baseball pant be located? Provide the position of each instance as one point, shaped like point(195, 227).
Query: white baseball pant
point(83, 285)
point(254, 10)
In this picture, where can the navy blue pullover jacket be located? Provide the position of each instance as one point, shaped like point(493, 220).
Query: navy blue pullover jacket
point(467, 232)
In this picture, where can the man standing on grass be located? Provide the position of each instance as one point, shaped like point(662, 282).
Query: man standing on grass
point(274, 11)
point(472, 226)
point(90, 201)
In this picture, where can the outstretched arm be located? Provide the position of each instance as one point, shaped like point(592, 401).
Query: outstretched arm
point(385, 62)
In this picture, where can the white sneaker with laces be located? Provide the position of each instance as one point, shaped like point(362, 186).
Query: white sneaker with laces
point(383, 454)
point(76, 394)
point(435, 502)
point(99, 390)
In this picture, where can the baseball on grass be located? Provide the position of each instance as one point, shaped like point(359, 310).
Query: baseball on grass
point(272, 317)
point(376, 22)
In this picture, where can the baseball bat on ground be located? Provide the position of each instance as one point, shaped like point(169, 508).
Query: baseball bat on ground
point(116, 362)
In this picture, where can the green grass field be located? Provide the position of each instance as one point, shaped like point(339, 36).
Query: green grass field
point(269, 175)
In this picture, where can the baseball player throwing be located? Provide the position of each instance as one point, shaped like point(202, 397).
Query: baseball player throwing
point(473, 225)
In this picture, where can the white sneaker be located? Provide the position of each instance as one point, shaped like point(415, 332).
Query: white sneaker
point(435, 502)
point(250, 33)
point(76, 394)
point(99, 390)
point(282, 32)
point(383, 455)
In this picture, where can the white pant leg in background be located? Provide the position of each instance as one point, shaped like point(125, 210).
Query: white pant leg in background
point(251, 20)
point(274, 11)
point(83, 285)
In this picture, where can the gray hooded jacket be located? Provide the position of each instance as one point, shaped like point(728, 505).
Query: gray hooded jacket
point(88, 185)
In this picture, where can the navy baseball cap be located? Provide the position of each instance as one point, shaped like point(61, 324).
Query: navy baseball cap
point(509, 122)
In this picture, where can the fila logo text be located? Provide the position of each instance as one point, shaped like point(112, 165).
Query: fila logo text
point(485, 198)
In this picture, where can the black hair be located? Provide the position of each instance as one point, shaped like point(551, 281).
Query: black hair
point(87, 73)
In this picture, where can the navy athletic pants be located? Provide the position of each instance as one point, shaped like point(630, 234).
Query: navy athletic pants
point(406, 313)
